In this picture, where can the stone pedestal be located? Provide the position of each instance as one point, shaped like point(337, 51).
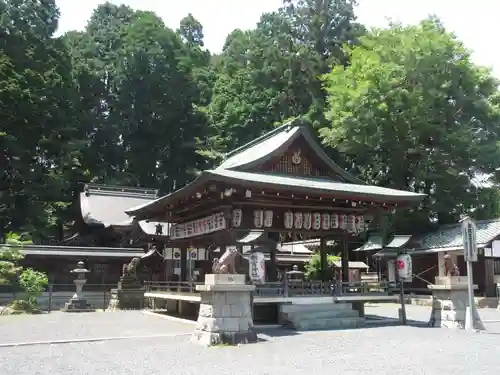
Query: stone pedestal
point(450, 301)
point(225, 315)
point(77, 303)
point(126, 299)
point(128, 296)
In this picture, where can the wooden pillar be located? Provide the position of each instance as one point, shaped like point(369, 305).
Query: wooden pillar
point(273, 269)
point(184, 250)
point(323, 259)
point(345, 258)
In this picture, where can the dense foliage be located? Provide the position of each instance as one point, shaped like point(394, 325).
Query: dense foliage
point(131, 101)
point(26, 283)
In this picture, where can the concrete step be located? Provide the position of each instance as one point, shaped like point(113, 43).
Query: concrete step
point(329, 323)
point(292, 308)
point(320, 314)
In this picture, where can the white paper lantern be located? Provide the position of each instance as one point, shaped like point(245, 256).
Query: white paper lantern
point(351, 224)
point(307, 220)
point(257, 268)
point(343, 222)
point(237, 217)
point(316, 221)
point(334, 221)
point(404, 267)
point(288, 217)
point(298, 220)
point(258, 218)
point(325, 221)
point(360, 224)
point(268, 218)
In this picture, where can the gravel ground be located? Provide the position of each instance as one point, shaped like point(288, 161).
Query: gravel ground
point(377, 351)
point(65, 326)
point(421, 314)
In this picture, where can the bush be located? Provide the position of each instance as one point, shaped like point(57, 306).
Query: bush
point(313, 267)
point(29, 282)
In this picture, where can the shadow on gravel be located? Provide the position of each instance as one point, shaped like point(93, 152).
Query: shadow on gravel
point(277, 332)
point(374, 321)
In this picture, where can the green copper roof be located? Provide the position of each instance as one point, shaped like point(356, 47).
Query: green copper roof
point(305, 185)
point(302, 185)
point(274, 144)
point(257, 151)
point(235, 169)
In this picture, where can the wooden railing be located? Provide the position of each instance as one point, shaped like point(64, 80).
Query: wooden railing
point(171, 286)
point(285, 289)
point(361, 288)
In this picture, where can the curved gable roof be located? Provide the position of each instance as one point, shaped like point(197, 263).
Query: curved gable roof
point(275, 143)
point(106, 205)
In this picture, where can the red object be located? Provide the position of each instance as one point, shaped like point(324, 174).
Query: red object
point(401, 264)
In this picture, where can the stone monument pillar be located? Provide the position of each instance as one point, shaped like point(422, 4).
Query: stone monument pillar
point(225, 315)
point(129, 295)
point(77, 303)
point(450, 301)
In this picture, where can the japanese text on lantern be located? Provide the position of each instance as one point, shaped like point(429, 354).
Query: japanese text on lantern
point(263, 218)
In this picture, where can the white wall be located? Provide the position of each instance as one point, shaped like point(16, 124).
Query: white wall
point(391, 270)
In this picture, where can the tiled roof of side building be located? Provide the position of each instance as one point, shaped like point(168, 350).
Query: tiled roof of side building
point(106, 205)
point(450, 236)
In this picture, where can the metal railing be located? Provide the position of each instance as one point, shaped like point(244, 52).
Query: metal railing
point(56, 295)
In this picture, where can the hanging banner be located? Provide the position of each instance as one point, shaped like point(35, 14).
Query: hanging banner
point(198, 227)
point(257, 271)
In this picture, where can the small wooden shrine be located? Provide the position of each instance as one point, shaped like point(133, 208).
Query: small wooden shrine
point(277, 188)
point(104, 237)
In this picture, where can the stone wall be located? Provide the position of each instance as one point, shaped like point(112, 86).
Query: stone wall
point(218, 309)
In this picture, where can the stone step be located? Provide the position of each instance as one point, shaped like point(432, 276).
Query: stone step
point(330, 323)
point(315, 307)
point(320, 314)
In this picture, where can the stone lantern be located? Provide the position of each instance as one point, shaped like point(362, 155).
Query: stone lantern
point(77, 303)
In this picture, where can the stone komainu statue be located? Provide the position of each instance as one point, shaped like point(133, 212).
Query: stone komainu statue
point(130, 269)
point(226, 262)
point(450, 269)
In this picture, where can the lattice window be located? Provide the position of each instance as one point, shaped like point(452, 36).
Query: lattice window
point(100, 268)
point(496, 267)
point(307, 167)
point(282, 166)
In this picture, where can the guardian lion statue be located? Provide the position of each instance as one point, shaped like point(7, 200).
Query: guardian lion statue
point(130, 269)
point(225, 265)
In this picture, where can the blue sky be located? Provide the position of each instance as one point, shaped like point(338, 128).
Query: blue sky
point(476, 23)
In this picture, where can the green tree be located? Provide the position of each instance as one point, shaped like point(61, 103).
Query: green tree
point(38, 123)
point(29, 282)
point(141, 87)
point(270, 74)
point(313, 266)
point(412, 112)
